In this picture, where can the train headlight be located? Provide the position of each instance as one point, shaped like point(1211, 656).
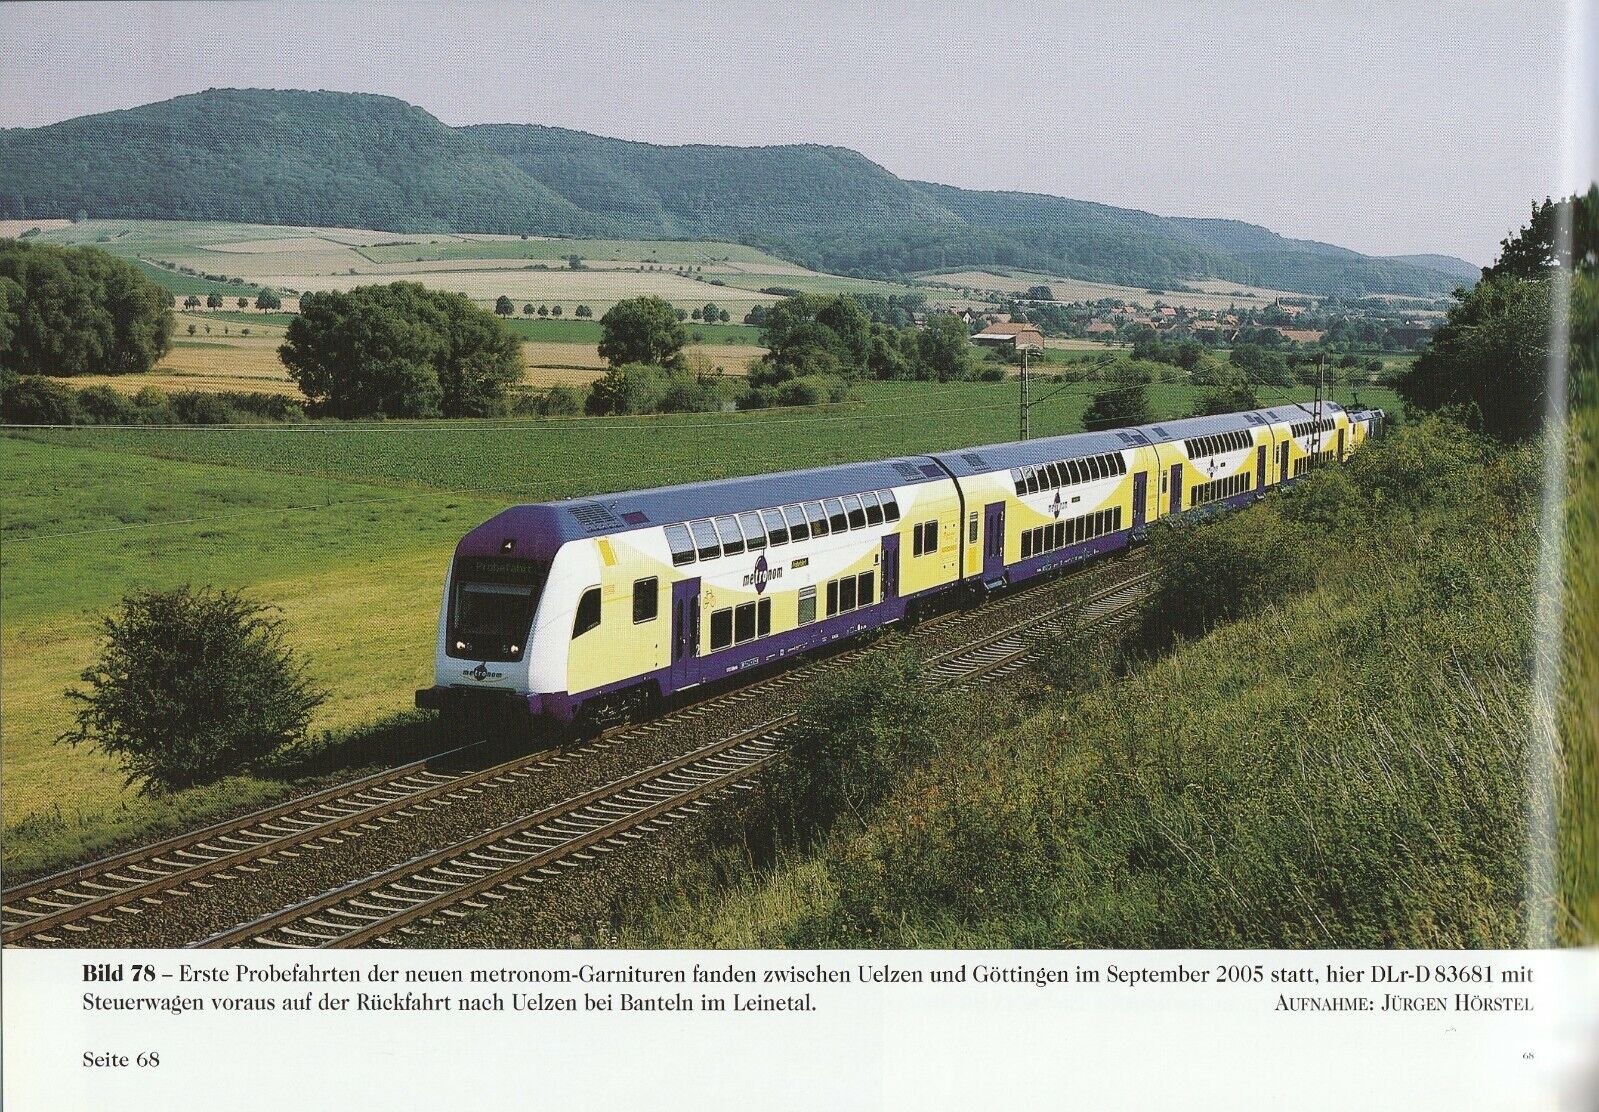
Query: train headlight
point(460, 646)
point(515, 649)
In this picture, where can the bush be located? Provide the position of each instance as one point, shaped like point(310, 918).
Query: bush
point(856, 737)
point(192, 685)
point(35, 400)
point(102, 405)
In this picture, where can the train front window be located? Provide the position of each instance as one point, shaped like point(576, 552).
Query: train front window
point(491, 608)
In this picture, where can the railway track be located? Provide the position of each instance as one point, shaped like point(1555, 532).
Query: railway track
point(66, 905)
point(508, 859)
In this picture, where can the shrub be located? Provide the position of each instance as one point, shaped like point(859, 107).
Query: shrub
point(856, 737)
point(35, 400)
point(192, 685)
point(102, 405)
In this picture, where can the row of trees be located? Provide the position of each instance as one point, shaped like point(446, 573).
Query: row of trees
point(266, 301)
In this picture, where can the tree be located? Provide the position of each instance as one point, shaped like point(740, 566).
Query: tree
point(78, 310)
point(192, 685)
point(1124, 403)
point(695, 314)
point(723, 316)
point(555, 310)
point(191, 302)
point(400, 350)
point(503, 306)
point(527, 310)
point(213, 301)
point(574, 262)
point(1489, 358)
point(244, 302)
point(1225, 399)
point(946, 348)
point(583, 311)
point(266, 299)
point(642, 330)
point(191, 330)
point(544, 310)
point(1040, 293)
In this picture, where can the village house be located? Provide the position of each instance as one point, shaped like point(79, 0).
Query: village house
point(1017, 337)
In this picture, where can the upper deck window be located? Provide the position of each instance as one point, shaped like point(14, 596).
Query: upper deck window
point(681, 544)
point(705, 539)
point(732, 539)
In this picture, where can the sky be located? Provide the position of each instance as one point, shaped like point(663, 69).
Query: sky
point(1392, 128)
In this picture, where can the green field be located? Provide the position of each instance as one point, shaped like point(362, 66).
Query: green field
point(647, 251)
point(567, 331)
point(185, 284)
point(349, 527)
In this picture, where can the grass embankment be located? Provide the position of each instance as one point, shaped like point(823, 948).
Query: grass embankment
point(1331, 753)
point(349, 528)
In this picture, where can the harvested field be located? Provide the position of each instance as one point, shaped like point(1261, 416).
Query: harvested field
point(1213, 294)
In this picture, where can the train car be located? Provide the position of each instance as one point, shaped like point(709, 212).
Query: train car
point(596, 608)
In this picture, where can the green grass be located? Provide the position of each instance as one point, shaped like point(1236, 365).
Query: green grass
point(567, 331)
point(1343, 766)
point(350, 526)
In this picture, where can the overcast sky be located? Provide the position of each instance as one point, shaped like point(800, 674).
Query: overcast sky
point(1391, 128)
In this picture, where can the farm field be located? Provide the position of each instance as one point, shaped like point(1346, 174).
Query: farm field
point(349, 528)
point(234, 259)
point(1211, 295)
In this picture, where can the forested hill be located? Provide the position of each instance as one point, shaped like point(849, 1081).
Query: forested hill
point(277, 157)
point(320, 158)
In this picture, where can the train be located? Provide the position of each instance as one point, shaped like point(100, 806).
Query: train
point(592, 610)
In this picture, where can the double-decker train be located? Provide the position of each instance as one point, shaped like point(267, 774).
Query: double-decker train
point(593, 608)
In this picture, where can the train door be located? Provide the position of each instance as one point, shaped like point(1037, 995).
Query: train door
point(1282, 462)
point(1340, 456)
point(1176, 488)
point(890, 567)
point(1140, 497)
point(1260, 467)
point(993, 541)
point(685, 631)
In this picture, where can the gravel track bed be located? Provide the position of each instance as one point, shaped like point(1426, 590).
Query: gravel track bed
point(266, 886)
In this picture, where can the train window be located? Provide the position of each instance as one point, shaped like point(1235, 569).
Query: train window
point(732, 539)
point(916, 539)
point(754, 531)
point(836, 518)
point(681, 544)
point(744, 623)
point(1121, 463)
point(1016, 477)
point(832, 598)
point(798, 530)
point(818, 520)
point(856, 512)
point(1073, 473)
point(721, 628)
point(1060, 534)
point(646, 599)
point(930, 536)
point(807, 605)
point(846, 593)
point(1027, 544)
point(1032, 480)
point(763, 617)
point(890, 506)
point(588, 612)
point(1118, 514)
point(1051, 475)
point(776, 527)
point(971, 527)
point(867, 593)
point(705, 539)
point(874, 508)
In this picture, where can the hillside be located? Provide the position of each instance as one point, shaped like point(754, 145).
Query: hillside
point(277, 157)
point(332, 159)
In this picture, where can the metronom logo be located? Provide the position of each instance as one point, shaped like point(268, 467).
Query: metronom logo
point(762, 575)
